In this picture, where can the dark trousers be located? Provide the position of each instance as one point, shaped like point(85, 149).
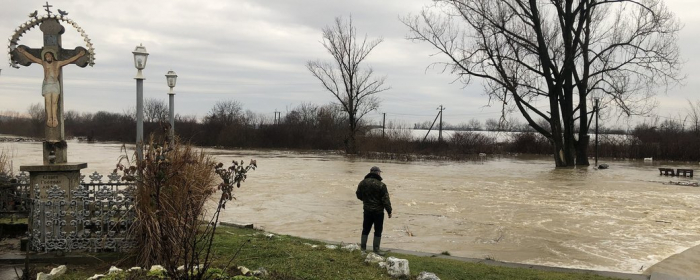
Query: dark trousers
point(376, 219)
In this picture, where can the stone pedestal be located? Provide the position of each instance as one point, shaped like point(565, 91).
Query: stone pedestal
point(43, 178)
point(51, 188)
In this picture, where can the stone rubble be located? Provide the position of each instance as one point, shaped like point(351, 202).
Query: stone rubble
point(260, 272)
point(114, 269)
point(244, 270)
point(351, 247)
point(398, 268)
point(382, 265)
point(374, 258)
point(96, 276)
point(58, 271)
point(427, 276)
point(156, 268)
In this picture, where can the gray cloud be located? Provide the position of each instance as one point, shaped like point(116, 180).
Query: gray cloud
point(254, 52)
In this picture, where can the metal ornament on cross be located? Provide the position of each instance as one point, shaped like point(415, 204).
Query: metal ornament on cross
point(36, 20)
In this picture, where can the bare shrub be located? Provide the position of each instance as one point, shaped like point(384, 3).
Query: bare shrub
point(471, 142)
point(5, 163)
point(529, 143)
point(173, 227)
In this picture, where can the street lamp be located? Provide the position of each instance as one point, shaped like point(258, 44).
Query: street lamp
point(140, 58)
point(171, 78)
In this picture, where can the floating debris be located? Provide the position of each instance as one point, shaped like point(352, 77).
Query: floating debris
point(688, 184)
point(17, 139)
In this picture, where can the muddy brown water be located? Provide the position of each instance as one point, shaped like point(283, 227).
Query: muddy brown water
point(516, 209)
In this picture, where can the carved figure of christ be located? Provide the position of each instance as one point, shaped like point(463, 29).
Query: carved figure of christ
point(51, 88)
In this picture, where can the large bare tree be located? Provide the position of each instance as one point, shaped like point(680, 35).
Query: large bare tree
point(355, 87)
point(550, 59)
point(155, 110)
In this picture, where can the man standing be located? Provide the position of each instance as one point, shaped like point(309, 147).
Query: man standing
point(375, 199)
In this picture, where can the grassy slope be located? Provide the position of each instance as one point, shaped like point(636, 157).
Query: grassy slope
point(289, 258)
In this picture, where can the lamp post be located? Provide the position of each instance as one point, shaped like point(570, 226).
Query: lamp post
point(171, 77)
point(140, 58)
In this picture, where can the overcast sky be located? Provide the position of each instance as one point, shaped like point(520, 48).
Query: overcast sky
point(255, 51)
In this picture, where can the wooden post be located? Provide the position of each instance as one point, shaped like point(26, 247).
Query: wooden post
point(383, 124)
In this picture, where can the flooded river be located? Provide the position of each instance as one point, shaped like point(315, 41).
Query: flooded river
point(509, 209)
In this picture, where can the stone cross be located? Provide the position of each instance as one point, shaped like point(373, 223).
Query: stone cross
point(52, 57)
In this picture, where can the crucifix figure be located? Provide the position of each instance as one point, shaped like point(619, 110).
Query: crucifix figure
point(51, 88)
point(52, 57)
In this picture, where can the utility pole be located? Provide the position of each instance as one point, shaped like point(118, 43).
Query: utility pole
point(440, 133)
point(597, 112)
point(383, 124)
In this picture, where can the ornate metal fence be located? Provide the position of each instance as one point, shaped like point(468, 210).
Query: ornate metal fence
point(96, 216)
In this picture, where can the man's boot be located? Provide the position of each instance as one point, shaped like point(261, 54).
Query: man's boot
point(363, 243)
point(375, 245)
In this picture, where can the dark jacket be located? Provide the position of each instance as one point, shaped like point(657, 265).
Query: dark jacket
point(374, 195)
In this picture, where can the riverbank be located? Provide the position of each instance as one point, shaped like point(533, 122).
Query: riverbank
point(263, 249)
point(289, 257)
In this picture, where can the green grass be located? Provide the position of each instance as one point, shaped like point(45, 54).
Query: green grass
point(454, 269)
point(298, 261)
point(287, 257)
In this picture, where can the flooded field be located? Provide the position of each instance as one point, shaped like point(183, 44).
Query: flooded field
point(510, 209)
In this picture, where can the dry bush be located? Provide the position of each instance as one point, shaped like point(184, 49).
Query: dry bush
point(5, 163)
point(529, 143)
point(174, 183)
point(472, 142)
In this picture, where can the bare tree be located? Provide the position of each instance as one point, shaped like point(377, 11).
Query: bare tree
point(559, 55)
point(474, 125)
point(492, 125)
point(694, 115)
point(155, 110)
point(36, 112)
point(352, 85)
point(226, 112)
point(38, 116)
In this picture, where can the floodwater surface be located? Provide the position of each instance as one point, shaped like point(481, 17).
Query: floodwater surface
point(512, 209)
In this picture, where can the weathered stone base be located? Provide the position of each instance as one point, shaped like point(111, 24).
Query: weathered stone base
point(60, 152)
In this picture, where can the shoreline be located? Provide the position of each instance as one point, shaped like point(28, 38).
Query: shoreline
point(621, 275)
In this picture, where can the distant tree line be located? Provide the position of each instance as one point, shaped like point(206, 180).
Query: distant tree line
point(227, 124)
point(324, 127)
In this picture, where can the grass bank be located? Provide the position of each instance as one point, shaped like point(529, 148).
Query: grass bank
point(290, 258)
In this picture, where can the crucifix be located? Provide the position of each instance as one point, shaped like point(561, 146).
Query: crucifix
point(52, 57)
